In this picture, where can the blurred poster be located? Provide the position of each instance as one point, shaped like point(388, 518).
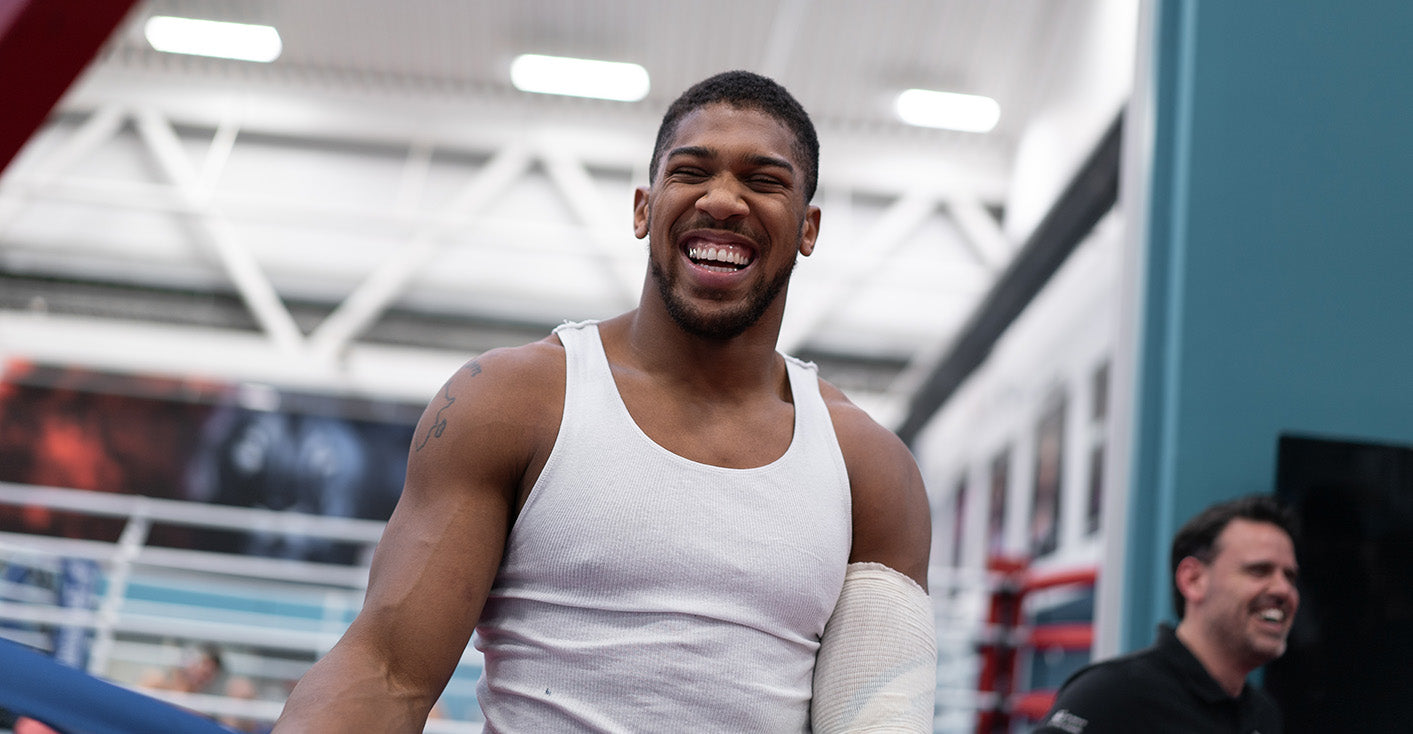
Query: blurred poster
point(959, 514)
point(201, 441)
point(1098, 439)
point(1049, 459)
point(996, 505)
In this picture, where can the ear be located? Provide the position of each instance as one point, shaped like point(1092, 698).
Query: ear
point(809, 230)
point(1191, 579)
point(640, 212)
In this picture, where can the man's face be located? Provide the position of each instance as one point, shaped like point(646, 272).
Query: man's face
point(725, 218)
point(199, 670)
point(1245, 599)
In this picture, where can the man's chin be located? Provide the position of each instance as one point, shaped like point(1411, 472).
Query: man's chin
point(1268, 649)
point(720, 328)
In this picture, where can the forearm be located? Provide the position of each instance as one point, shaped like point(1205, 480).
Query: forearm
point(347, 691)
point(877, 663)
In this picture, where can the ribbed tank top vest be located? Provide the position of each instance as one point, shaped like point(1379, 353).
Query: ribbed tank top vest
point(644, 592)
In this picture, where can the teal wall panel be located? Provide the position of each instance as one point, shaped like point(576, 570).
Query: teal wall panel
point(1278, 276)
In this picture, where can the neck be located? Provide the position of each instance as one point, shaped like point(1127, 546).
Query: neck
point(1228, 674)
point(659, 334)
point(648, 339)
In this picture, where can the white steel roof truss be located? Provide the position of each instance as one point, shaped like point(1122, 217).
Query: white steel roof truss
point(96, 130)
point(383, 285)
point(988, 242)
point(874, 249)
point(574, 182)
point(255, 289)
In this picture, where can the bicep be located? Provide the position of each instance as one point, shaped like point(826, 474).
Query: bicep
point(891, 519)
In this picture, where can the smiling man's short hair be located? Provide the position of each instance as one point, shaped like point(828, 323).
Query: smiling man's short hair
point(745, 90)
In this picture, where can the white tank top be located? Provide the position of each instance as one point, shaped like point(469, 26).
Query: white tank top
point(644, 592)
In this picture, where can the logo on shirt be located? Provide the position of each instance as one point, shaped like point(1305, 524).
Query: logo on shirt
point(1068, 722)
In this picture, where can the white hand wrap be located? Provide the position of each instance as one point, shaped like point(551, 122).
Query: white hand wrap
point(876, 670)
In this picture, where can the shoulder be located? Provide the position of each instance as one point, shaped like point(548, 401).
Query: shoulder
point(878, 461)
point(1099, 698)
point(526, 378)
point(1110, 696)
point(525, 368)
point(892, 522)
point(511, 373)
point(1118, 674)
point(501, 406)
point(160, 679)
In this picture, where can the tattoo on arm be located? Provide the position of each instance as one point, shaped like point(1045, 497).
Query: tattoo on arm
point(439, 424)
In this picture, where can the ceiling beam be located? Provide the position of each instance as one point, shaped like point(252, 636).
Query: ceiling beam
point(415, 169)
point(217, 155)
point(577, 187)
point(255, 288)
point(784, 32)
point(982, 232)
point(387, 281)
point(874, 249)
point(871, 164)
point(93, 132)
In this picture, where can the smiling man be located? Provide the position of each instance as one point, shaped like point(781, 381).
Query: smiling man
point(1234, 574)
point(657, 522)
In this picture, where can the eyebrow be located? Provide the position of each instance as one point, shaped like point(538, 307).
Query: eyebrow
point(1272, 565)
point(699, 151)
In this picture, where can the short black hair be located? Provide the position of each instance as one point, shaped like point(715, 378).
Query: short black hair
point(1198, 536)
point(745, 90)
point(211, 651)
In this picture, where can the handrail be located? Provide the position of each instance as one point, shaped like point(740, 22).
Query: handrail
point(184, 512)
point(273, 569)
point(132, 561)
point(310, 641)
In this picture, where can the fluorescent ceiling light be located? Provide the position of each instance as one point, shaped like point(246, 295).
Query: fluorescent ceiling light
point(579, 77)
point(965, 112)
point(222, 40)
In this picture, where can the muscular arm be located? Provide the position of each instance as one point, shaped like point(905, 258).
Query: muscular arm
point(470, 458)
point(892, 522)
point(877, 661)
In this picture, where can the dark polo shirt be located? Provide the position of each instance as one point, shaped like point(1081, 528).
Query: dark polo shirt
point(1157, 690)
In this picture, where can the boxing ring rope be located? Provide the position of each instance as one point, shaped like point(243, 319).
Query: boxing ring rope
point(72, 701)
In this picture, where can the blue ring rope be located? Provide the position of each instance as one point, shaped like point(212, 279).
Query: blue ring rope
point(75, 702)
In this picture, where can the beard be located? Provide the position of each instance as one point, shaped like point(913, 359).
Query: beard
point(722, 325)
point(1233, 633)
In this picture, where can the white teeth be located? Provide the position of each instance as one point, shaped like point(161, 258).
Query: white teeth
point(714, 254)
point(1273, 615)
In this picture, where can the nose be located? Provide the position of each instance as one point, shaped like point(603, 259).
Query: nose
point(1285, 587)
point(722, 199)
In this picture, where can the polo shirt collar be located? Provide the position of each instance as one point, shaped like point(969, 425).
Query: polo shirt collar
point(1193, 674)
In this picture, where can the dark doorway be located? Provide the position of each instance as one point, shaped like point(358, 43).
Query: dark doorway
point(1349, 666)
